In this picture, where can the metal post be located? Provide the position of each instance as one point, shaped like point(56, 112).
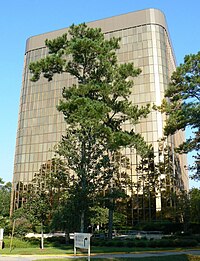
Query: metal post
point(42, 236)
point(89, 252)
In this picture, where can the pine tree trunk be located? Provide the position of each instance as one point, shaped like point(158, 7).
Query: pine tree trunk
point(82, 220)
point(110, 223)
point(67, 238)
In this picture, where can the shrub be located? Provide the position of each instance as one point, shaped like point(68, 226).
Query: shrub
point(141, 243)
point(102, 243)
point(118, 243)
point(185, 242)
point(33, 241)
point(18, 243)
point(95, 242)
point(172, 243)
point(56, 240)
point(165, 226)
point(165, 243)
point(153, 243)
point(162, 243)
point(129, 243)
point(108, 243)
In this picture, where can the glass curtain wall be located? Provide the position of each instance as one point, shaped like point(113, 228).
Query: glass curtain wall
point(41, 126)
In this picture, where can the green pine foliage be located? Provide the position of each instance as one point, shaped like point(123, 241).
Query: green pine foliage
point(182, 105)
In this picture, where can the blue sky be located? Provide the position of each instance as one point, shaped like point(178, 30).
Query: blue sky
point(21, 19)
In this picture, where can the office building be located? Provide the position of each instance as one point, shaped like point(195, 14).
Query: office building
point(145, 41)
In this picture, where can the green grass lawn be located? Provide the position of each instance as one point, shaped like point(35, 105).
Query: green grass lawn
point(23, 247)
point(36, 251)
point(157, 258)
point(62, 249)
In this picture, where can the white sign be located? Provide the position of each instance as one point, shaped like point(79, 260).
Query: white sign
point(1, 234)
point(82, 240)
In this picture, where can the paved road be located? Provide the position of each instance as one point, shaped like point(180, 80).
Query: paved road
point(143, 254)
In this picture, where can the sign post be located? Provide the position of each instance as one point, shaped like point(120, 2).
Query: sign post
point(1, 238)
point(82, 240)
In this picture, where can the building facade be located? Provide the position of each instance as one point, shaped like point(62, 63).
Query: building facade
point(145, 41)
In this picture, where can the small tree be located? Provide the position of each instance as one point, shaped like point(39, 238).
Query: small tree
point(194, 197)
point(99, 217)
point(44, 194)
point(5, 196)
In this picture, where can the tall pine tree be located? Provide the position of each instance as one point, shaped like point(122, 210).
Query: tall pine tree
point(94, 108)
